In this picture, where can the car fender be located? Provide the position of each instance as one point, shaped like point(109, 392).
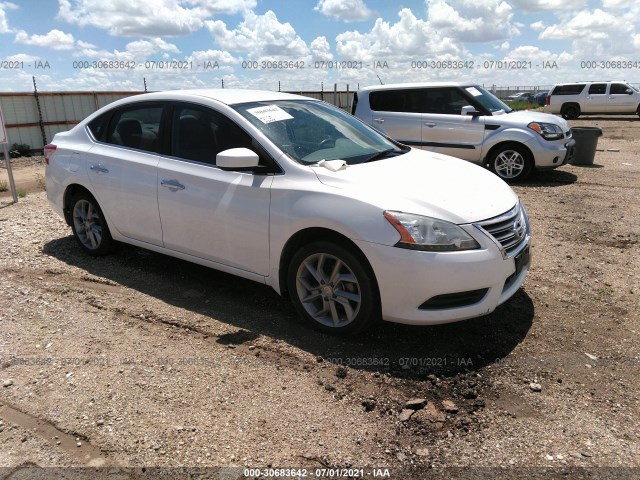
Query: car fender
point(509, 134)
point(300, 211)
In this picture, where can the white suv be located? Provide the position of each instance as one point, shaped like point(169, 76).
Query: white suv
point(468, 122)
point(584, 98)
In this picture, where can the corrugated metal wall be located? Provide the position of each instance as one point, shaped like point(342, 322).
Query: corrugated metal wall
point(60, 112)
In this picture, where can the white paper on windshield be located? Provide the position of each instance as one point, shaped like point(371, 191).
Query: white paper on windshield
point(474, 91)
point(269, 114)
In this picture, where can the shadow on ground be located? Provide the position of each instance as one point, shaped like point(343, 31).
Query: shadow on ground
point(549, 178)
point(255, 309)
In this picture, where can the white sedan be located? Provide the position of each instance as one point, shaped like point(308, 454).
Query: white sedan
point(297, 194)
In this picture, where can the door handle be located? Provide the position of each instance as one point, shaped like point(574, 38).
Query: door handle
point(430, 124)
point(172, 184)
point(99, 169)
point(378, 120)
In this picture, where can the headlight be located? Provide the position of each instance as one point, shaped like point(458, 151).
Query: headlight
point(549, 131)
point(425, 233)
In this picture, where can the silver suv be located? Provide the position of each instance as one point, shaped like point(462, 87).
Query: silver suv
point(466, 121)
point(584, 98)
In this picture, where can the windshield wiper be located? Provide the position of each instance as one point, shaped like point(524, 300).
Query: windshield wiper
point(379, 155)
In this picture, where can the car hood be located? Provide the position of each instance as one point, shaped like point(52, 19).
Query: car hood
point(424, 183)
point(524, 117)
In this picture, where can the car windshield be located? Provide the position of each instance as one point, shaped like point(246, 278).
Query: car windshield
point(488, 100)
point(634, 87)
point(310, 131)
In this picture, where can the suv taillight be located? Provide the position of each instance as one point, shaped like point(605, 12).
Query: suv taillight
point(48, 152)
point(548, 99)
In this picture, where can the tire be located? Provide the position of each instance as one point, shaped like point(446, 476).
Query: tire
point(570, 112)
point(511, 162)
point(333, 289)
point(89, 225)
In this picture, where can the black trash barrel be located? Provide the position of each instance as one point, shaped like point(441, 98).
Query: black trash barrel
point(586, 142)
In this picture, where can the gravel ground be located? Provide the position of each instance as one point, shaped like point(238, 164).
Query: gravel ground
point(138, 359)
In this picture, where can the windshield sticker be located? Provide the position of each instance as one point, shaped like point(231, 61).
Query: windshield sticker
point(474, 91)
point(269, 114)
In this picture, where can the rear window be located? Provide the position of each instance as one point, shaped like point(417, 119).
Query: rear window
point(406, 100)
point(571, 89)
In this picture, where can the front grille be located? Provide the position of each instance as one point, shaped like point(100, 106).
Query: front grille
point(509, 229)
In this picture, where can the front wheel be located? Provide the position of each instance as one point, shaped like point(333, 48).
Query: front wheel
point(512, 163)
point(333, 289)
point(89, 225)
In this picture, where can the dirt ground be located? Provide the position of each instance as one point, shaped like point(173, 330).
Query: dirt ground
point(141, 360)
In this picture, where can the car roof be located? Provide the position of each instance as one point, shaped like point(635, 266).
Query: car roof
point(417, 85)
point(228, 96)
point(591, 81)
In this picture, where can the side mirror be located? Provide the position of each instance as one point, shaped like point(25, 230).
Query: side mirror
point(237, 158)
point(629, 91)
point(469, 110)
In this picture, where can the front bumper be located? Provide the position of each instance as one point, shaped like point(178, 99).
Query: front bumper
point(552, 154)
point(409, 278)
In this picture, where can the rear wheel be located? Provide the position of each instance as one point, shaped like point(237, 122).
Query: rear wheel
point(89, 225)
point(511, 162)
point(333, 289)
point(570, 112)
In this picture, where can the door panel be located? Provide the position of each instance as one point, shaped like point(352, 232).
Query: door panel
point(125, 185)
point(401, 126)
point(460, 136)
point(619, 101)
point(219, 215)
point(596, 101)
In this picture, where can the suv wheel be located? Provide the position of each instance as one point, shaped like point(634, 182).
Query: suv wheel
point(570, 112)
point(511, 162)
point(89, 225)
point(333, 289)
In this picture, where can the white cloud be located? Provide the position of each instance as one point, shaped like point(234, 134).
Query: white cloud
point(598, 34)
point(4, 23)
point(138, 50)
point(321, 50)
point(150, 18)
point(614, 4)
point(472, 20)
point(537, 26)
point(345, 10)
point(146, 48)
point(409, 37)
point(55, 39)
point(21, 57)
point(585, 23)
point(259, 36)
point(540, 5)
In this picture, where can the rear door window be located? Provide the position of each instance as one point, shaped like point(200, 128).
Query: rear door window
point(136, 127)
point(405, 100)
point(598, 89)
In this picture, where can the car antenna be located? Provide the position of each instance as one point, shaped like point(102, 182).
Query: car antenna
point(379, 79)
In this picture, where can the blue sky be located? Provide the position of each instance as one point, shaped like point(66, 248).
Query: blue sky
point(301, 45)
